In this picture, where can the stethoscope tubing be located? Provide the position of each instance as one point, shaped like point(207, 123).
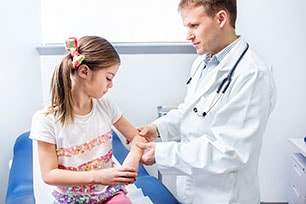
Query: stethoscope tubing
point(226, 81)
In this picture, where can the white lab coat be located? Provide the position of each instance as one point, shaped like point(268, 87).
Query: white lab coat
point(216, 159)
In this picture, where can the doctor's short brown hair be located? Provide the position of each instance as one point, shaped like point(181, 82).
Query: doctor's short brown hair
point(213, 6)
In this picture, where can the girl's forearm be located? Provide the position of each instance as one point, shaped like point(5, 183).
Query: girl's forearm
point(108, 176)
point(66, 177)
point(134, 156)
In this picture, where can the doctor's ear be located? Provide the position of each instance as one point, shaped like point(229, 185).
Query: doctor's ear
point(222, 18)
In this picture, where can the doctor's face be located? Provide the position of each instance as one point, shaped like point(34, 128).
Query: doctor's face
point(202, 30)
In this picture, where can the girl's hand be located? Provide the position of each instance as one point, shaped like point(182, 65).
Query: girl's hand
point(116, 176)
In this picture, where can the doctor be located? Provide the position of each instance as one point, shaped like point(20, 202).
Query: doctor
point(212, 141)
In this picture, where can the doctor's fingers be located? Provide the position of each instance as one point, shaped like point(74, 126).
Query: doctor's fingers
point(149, 132)
point(148, 158)
point(140, 128)
point(145, 146)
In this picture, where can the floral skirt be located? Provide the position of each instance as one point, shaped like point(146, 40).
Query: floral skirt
point(90, 198)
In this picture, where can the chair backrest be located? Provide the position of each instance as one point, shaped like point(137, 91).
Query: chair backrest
point(20, 184)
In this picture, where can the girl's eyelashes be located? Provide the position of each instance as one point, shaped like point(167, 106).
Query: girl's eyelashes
point(109, 78)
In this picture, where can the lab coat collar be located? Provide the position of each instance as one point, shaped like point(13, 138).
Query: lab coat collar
point(218, 72)
point(230, 59)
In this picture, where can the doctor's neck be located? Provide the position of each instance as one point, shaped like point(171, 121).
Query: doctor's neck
point(226, 41)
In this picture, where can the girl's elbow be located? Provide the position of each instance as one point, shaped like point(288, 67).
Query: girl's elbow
point(47, 180)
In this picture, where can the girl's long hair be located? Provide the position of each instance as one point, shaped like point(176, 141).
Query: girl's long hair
point(98, 53)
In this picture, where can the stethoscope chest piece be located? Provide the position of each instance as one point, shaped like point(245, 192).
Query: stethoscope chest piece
point(195, 109)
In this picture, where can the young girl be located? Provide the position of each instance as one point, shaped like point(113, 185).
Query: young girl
point(74, 133)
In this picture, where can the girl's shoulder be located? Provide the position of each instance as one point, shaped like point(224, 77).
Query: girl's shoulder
point(43, 114)
point(105, 105)
point(43, 126)
point(105, 102)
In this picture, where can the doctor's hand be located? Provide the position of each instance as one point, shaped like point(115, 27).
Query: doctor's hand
point(148, 157)
point(150, 132)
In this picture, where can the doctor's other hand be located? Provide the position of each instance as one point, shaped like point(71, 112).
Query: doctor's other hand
point(150, 132)
point(148, 157)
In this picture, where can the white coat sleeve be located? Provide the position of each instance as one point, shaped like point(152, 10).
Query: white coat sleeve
point(236, 131)
point(169, 125)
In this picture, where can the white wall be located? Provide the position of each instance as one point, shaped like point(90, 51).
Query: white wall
point(131, 20)
point(274, 28)
point(20, 81)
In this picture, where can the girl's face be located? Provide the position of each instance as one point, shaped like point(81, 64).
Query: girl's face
point(101, 80)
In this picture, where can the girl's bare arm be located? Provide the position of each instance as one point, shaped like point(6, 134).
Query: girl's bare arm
point(52, 175)
point(131, 134)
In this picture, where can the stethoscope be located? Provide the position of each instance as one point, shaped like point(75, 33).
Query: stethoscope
point(222, 87)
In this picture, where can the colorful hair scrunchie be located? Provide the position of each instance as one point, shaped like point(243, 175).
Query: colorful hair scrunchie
point(72, 48)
